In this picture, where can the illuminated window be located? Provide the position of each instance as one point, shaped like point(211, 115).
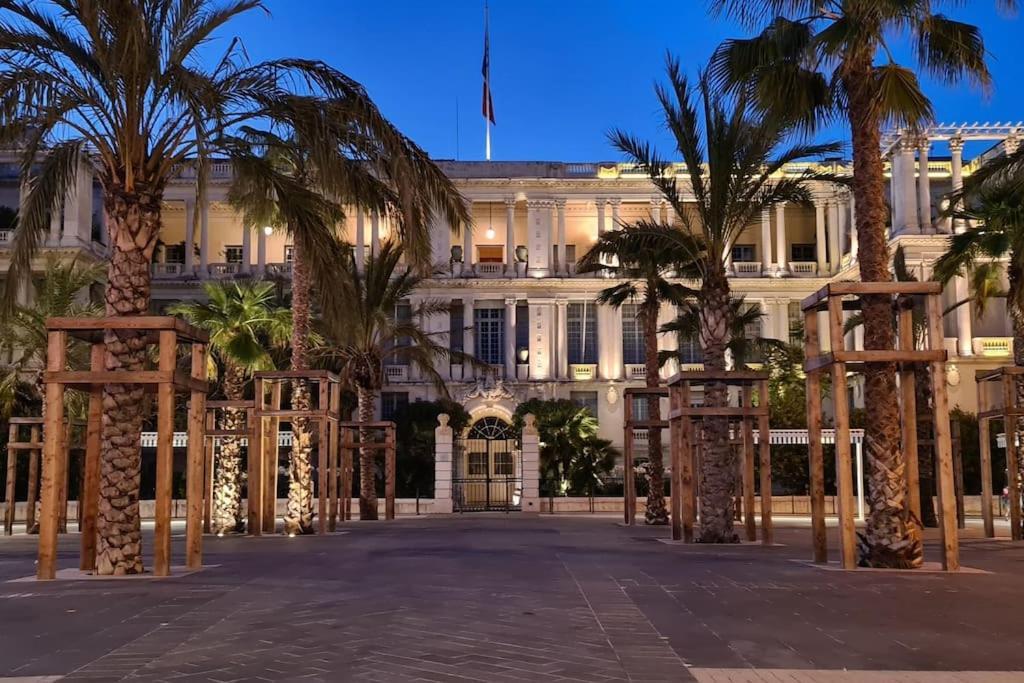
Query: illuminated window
point(490, 253)
point(632, 336)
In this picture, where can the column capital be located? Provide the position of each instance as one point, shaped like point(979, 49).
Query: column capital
point(924, 144)
point(1011, 144)
point(615, 201)
point(511, 301)
point(510, 200)
point(600, 201)
point(956, 144)
point(561, 303)
point(560, 202)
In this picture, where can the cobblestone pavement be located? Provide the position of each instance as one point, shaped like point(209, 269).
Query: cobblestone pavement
point(505, 598)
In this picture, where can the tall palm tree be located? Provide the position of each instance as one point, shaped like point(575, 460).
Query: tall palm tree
point(645, 267)
point(124, 87)
point(816, 61)
point(242, 321)
point(733, 170)
point(315, 161)
point(568, 435)
point(364, 332)
point(743, 349)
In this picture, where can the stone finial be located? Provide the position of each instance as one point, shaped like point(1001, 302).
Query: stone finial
point(442, 420)
point(530, 426)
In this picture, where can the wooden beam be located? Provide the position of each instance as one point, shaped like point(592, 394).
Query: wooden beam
point(943, 447)
point(844, 465)
point(195, 476)
point(34, 457)
point(1012, 463)
point(731, 377)
point(676, 464)
point(89, 498)
point(53, 457)
point(208, 475)
point(254, 468)
point(164, 454)
point(908, 425)
point(628, 478)
point(271, 454)
point(816, 458)
point(726, 411)
point(389, 475)
point(764, 444)
point(747, 468)
point(985, 457)
point(12, 472)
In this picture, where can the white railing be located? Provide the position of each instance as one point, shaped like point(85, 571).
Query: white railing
point(180, 439)
point(396, 373)
point(803, 268)
point(992, 346)
point(168, 270)
point(282, 269)
point(223, 269)
point(583, 372)
point(636, 371)
point(490, 269)
point(6, 236)
point(746, 268)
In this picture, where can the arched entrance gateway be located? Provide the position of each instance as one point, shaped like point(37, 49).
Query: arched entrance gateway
point(487, 472)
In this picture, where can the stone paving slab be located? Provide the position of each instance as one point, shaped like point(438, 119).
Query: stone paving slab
point(827, 676)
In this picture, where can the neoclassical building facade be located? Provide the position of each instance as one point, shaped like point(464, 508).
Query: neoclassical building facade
point(517, 302)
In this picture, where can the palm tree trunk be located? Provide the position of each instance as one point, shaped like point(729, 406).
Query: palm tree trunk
point(657, 513)
point(718, 466)
point(134, 225)
point(367, 461)
point(925, 445)
point(227, 492)
point(299, 512)
point(891, 538)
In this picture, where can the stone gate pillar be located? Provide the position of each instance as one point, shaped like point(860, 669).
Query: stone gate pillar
point(443, 449)
point(531, 465)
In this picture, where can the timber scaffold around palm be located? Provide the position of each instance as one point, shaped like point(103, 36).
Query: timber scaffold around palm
point(166, 381)
point(381, 439)
point(686, 434)
point(630, 425)
point(834, 301)
point(254, 468)
point(998, 400)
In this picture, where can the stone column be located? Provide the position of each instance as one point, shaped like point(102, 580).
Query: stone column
point(956, 152)
point(964, 334)
point(261, 251)
point(766, 242)
point(895, 176)
point(444, 448)
point(538, 216)
point(563, 267)
point(374, 234)
point(561, 338)
point(467, 251)
point(469, 334)
point(55, 223)
point(615, 202)
point(360, 240)
point(924, 188)
point(656, 209)
point(834, 254)
point(530, 440)
point(246, 249)
point(819, 235)
point(78, 209)
point(781, 257)
point(541, 325)
point(190, 236)
point(510, 338)
point(907, 188)
point(668, 342)
point(510, 237)
point(854, 239)
point(599, 203)
point(204, 239)
point(609, 339)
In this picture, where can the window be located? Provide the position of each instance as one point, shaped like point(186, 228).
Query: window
point(743, 253)
point(477, 464)
point(490, 253)
point(289, 253)
point(490, 335)
point(391, 402)
point(233, 253)
point(175, 253)
point(752, 331)
point(585, 399)
point(456, 326)
point(640, 412)
point(690, 352)
point(581, 331)
point(503, 465)
point(522, 330)
point(796, 323)
point(802, 252)
point(632, 336)
point(403, 314)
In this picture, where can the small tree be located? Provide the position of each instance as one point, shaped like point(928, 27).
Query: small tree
point(414, 433)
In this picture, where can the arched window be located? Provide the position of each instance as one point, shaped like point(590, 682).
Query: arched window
point(491, 428)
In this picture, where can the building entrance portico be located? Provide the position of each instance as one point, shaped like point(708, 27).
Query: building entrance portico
point(487, 467)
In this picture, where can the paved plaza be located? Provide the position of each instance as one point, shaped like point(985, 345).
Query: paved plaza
point(512, 598)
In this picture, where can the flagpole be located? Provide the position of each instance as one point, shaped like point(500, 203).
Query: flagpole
point(487, 118)
point(487, 141)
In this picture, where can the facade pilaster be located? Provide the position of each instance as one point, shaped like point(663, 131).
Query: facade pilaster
point(538, 216)
point(530, 501)
point(956, 152)
point(781, 256)
point(924, 189)
point(190, 236)
point(542, 323)
point(819, 236)
point(510, 236)
point(469, 334)
point(246, 266)
point(615, 203)
point(563, 266)
point(834, 254)
point(766, 242)
point(204, 239)
point(600, 203)
point(510, 338)
point(561, 337)
point(609, 339)
point(374, 234)
point(907, 188)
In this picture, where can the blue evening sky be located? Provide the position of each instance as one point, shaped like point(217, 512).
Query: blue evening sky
point(563, 72)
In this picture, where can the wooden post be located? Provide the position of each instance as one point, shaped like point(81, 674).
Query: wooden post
point(165, 455)
point(12, 473)
point(89, 498)
point(1012, 455)
point(62, 520)
point(844, 475)
point(33, 480)
point(254, 469)
point(628, 481)
point(53, 454)
point(686, 475)
point(271, 454)
point(347, 470)
point(335, 409)
point(389, 472)
point(958, 473)
point(209, 463)
point(765, 446)
point(749, 520)
point(985, 453)
point(908, 423)
point(815, 455)
point(194, 476)
point(676, 460)
point(943, 447)
point(322, 447)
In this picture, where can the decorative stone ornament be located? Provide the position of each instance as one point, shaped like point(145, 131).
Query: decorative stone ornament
point(612, 396)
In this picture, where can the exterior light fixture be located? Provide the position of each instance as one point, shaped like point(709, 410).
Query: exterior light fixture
point(490, 233)
point(267, 230)
point(524, 354)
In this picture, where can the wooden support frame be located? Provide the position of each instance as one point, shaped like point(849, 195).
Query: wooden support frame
point(166, 334)
point(351, 445)
point(686, 422)
point(628, 463)
point(254, 463)
point(1003, 407)
point(267, 413)
point(833, 300)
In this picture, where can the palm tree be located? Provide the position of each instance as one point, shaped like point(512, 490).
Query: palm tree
point(565, 430)
point(645, 268)
point(242, 321)
point(733, 161)
point(816, 61)
point(743, 349)
point(366, 330)
point(121, 87)
point(315, 161)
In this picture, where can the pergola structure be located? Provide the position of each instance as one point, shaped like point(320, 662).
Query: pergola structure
point(351, 444)
point(834, 299)
point(686, 422)
point(254, 467)
point(323, 410)
point(629, 425)
point(166, 334)
point(1005, 406)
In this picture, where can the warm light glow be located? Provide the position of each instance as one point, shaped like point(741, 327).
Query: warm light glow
point(267, 230)
point(490, 233)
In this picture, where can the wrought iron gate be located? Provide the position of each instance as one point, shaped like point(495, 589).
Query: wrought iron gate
point(488, 468)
